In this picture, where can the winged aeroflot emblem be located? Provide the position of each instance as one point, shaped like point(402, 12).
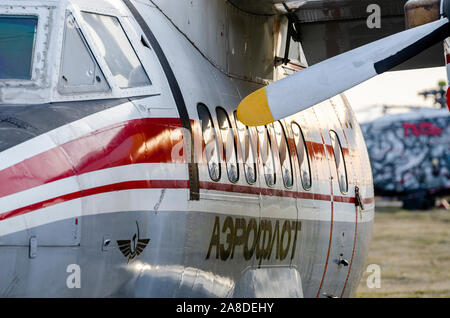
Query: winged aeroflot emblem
point(134, 247)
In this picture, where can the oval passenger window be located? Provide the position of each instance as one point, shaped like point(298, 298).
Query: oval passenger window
point(265, 148)
point(211, 146)
point(229, 144)
point(340, 162)
point(302, 156)
point(285, 157)
point(247, 151)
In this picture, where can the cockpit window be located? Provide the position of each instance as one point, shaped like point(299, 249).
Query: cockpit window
point(117, 51)
point(80, 72)
point(17, 38)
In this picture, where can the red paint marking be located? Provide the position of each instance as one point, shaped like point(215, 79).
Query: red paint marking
point(343, 199)
point(207, 185)
point(147, 140)
point(128, 185)
point(315, 148)
point(170, 184)
point(296, 67)
point(425, 128)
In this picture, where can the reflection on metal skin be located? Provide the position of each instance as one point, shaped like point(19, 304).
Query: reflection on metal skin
point(187, 279)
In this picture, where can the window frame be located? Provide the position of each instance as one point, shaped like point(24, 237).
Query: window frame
point(133, 48)
point(265, 130)
point(204, 156)
point(343, 161)
point(224, 147)
point(288, 153)
point(305, 147)
point(40, 70)
point(248, 134)
point(146, 56)
point(89, 49)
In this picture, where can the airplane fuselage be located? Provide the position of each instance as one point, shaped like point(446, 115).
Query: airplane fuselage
point(150, 190)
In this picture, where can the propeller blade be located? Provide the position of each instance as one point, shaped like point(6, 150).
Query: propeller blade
point(337, 74)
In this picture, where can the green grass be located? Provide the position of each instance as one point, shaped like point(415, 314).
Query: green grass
point(413, 251)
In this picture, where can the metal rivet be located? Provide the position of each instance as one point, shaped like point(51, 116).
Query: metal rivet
point(33, 247)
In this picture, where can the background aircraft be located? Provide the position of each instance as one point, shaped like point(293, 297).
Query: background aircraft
point(410, 155)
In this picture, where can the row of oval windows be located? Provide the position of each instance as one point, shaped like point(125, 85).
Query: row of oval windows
point(265, 147)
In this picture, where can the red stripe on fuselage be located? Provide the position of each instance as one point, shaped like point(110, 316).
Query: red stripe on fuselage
point(128, 185)
point(207, 185)
point(170, 184)
point(148, 140)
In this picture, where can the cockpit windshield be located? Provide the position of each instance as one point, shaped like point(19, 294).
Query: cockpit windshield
point(17, 37)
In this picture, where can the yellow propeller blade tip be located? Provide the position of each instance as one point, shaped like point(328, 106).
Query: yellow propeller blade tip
point(254, 109)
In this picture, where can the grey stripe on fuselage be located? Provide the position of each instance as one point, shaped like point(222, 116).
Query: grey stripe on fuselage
point(21, 123)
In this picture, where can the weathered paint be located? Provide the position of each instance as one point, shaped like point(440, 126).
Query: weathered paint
point(107, 166)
